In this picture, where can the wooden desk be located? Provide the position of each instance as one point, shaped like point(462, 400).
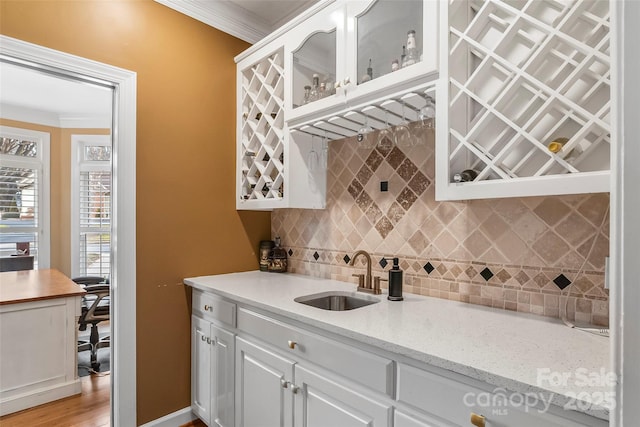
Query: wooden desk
point(39, 312)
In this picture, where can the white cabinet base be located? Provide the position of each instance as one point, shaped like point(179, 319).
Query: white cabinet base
point(38, 352)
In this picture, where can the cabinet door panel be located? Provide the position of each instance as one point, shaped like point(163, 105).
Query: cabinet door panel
point(261, 398)
point(201, 368)
point(402, 419)
point(322, 402)
point(222, 364)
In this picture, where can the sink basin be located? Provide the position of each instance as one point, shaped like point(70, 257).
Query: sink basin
point(337, 300)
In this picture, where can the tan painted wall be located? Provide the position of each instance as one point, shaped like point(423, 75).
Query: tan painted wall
point(187, 223)
point(60, 169)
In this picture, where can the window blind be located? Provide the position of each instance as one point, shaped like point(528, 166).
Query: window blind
point(95, 223)
point(19, 211)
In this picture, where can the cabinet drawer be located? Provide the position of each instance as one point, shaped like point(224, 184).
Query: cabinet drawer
point(214, 308)
point(368, 369)
point(454, 401)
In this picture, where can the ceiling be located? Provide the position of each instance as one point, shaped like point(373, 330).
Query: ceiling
point(37, 97)
point(249, 20)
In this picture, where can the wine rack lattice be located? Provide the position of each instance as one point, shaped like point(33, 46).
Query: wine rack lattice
point(262, 139)
point(525, 73)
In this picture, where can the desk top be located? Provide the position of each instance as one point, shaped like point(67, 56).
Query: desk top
point(35, 285)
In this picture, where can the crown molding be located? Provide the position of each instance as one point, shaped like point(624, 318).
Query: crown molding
point(48, 118)
point(223, 15)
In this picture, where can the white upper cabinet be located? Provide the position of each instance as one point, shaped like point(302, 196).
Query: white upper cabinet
point(525, 99)
point(321, 75)
point(351, 52)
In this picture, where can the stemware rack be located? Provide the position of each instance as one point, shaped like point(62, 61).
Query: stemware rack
point(379, 114)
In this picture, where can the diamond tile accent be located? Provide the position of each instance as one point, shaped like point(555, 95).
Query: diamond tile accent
point(407, 198)
point(419, 183)
point(522, 277)
point(407, 169)
point(374, 160)
point(503, 275)
point(562, 281)
point(383, 262)
point(384, 227)
point(513, 238)
point(428, 267)
point(364, 174)
point(396, 157)
point(355, 188)
point(316, 255)
point(486, 274)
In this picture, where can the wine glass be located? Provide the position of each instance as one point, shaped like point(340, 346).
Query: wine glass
point(365, 135)
point(428, 114)
point(312, 156)
point(386, 138)
point(404, 137)
point(324, 152)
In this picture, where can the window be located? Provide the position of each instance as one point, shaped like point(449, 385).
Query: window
point(91, 205)
point(24, 194)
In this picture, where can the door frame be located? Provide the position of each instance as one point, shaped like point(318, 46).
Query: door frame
point(123, 249)
point(625, 211)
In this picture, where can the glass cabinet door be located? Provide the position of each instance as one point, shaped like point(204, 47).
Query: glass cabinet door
point(314, 69)
point(389, 37)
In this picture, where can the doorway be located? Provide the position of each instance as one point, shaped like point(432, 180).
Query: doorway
point(122, 254)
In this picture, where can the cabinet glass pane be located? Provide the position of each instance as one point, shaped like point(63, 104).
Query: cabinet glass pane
point(314, 68)
point(390, 33)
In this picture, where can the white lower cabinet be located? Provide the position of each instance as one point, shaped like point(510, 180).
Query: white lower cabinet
point(403, 419)
point(263, 397)
point(323, 400)
point(212, 360)
point(291, 376)
point(453, 402)
point(274, 390)
point(212, 379)
point(201, 368)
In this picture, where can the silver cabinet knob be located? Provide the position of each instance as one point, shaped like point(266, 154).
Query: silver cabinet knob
point(203, 338)
point(292, 344)
point(294, 389)
point(207, 307)
point(284, 383)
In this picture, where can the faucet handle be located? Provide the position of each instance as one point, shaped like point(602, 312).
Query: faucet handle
point(360, 279)
point(376, 284)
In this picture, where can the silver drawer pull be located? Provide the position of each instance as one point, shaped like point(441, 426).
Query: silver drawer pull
point(203, 338)
point(292, 344)
point(208, 308)
point(284, 383)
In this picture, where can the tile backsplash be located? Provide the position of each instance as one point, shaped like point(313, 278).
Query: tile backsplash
point(515, 254)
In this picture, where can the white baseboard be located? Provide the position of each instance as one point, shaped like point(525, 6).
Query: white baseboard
point(39, 396)
point(174, 419)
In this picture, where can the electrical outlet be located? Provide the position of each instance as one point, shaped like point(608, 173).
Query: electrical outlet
point(384, 185)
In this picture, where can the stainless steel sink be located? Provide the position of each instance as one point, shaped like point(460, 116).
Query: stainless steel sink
point(337, 300)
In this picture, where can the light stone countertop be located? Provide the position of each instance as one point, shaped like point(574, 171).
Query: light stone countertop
point(520, 352)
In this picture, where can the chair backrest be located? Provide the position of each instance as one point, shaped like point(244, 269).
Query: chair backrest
point(96, 301)
point(90, 280)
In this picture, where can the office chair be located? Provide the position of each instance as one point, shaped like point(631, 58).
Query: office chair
point(95, 309)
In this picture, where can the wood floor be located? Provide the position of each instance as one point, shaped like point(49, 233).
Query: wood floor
point(89, 409)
